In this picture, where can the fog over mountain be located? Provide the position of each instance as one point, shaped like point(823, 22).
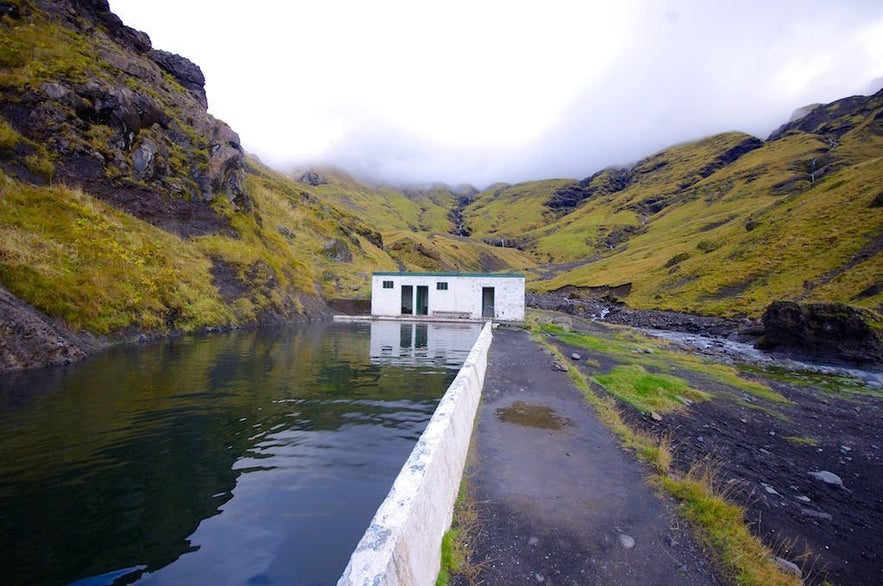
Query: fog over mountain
point(503, 91)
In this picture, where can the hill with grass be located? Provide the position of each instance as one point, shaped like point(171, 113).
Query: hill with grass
point(126, 210)
point(723, 225)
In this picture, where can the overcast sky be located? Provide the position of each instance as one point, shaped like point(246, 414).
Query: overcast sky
point(484, 90)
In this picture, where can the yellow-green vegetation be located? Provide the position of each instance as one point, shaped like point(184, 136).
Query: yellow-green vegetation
point(456, 548)
point(800, 440)
point(446, 252)
point(721, 524)
point(76, 258)
point(510, 211)
point(741, 556)
point(40, 50)
point(9, 137)
point(729, 242)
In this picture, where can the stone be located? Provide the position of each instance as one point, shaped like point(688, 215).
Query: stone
point(143, 158)
point(655, 416)
point(817, 514)
point(557, 365)
point(827, 477)
point(788, 567)
point(575, 356)
point(626, 541)
point(312, 178)
point(337, 250)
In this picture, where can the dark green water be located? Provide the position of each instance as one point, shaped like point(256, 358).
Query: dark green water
point(247, 458)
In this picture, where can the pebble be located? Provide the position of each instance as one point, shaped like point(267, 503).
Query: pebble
point(816, 514)
point(789, 567)
point(558, 366)
point(626, 541)
point(575, 356)
point(655, 416)
point(827, 477)
point(770, 489)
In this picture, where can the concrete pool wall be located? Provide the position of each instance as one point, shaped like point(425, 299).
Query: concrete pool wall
point(402, 544)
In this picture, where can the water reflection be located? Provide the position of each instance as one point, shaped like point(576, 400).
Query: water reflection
point(421, 343)
point(255, 457)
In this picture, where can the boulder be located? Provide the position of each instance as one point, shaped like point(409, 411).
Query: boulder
point(823, 331)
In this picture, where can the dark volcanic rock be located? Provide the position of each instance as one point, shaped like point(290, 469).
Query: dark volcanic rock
point(184, 70)
point(731, 155)
point(832, 120)
point(824, 331)
point(29, 339)
point(610, 180)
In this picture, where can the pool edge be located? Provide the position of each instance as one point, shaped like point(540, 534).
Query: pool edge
point(402, 544)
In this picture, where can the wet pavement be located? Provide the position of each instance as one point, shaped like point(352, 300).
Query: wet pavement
point(558, 501)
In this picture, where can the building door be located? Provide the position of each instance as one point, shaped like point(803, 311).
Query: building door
point(407, 299)
point(422, 300)
point(487, 302)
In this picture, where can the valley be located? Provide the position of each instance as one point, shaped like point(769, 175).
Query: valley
point(129, 213)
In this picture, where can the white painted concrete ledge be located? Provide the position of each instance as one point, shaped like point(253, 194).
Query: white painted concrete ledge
point(402, 545)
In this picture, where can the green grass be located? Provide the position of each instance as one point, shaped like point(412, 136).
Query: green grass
point(9, 137)
point(802, 440)
point(635, 354)
point(647, 391)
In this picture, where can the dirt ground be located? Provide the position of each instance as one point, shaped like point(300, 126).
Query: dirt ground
point(809, 473)
point(558, 501)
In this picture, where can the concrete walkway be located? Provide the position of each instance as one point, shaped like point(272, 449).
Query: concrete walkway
point(559, 502)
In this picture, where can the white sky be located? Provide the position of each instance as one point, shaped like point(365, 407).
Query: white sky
point(486, 90)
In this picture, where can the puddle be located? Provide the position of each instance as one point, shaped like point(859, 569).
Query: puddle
point(528, 415)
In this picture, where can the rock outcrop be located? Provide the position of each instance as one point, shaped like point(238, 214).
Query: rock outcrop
point(116, 114)
point(824, 331)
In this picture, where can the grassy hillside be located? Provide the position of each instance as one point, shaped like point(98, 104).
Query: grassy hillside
point(75, 257)
point(723, 225)
point(752, 233)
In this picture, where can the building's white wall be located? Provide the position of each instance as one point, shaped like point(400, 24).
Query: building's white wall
point(464, 294)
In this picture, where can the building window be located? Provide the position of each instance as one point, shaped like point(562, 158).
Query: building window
point(441, 286)
point(387, 285)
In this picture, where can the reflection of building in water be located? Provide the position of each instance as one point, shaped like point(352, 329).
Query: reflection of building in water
point(417, 343)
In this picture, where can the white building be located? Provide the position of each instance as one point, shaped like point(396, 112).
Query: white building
point(448, 295)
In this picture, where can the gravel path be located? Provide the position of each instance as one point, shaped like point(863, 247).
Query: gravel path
point(558, 501)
